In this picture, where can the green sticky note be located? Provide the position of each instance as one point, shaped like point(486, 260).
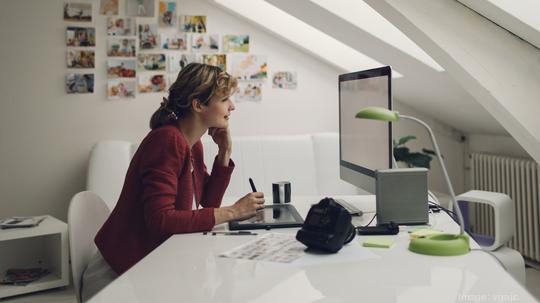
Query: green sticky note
point(378, 242)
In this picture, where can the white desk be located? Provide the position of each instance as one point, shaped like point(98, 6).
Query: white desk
point(187, 268)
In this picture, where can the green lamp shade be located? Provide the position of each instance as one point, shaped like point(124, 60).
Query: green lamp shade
point(377, 113)
point(441, 245)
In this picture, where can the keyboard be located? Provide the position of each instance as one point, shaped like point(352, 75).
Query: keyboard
point(351, 209)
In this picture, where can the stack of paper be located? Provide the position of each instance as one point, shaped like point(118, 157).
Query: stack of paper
point(15, 222)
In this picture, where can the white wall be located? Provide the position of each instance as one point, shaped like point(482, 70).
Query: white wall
point(499, 145)
point(46, 135)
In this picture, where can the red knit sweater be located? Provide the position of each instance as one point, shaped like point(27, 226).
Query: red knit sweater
point(157, 197)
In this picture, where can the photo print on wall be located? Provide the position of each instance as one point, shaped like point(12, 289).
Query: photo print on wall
point(205, 42)
point(77, 12)
point(284, 80)
point(236, 43)
point(147, 35)
point(108, 7)
point(249, 91)
point(173, 41)
point(121, 68)
point(121, 89)
point(192, 24)
point(120, 26)
point(80, 83)
point(152, 83)
point(215, 60)
point(151, 62)
point(121, 47)
point(80, 36)
point(80, 59)
point(167, 14)
point(140, 8)
point(248, 67)
point(178, 61)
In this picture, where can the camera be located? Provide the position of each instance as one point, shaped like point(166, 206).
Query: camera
point(327, 227)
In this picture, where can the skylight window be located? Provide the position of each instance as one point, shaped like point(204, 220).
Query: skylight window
point(302, 34)
point(364, 17)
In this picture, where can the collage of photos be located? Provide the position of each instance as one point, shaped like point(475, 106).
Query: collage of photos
point(133, 66)
point(79, 39)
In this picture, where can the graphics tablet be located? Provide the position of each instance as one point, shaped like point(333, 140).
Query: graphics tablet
point(272, 216)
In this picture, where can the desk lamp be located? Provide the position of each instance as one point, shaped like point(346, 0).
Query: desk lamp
point(439, 244)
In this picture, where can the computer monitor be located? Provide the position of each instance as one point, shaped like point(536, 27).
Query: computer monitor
point(364, 145)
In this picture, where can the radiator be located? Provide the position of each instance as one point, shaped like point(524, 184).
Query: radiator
point(519, 179)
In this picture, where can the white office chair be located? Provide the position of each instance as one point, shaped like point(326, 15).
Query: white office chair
point(87, 212)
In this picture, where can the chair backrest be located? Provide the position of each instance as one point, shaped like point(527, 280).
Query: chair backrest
point(87, 212)
point(109, 162)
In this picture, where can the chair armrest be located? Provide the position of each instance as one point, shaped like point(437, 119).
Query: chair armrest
point(503, 209)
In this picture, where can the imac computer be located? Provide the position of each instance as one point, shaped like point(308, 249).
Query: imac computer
point(364, 145)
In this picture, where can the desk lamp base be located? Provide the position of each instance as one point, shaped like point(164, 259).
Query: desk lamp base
point(441, 245)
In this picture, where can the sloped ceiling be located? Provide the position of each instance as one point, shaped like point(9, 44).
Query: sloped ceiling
point(425, 86)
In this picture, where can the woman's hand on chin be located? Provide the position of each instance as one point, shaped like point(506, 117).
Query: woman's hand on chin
point(222, 137)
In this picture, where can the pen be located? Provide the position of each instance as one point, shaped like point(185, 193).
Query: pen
point(252, 185)
point(231, 233)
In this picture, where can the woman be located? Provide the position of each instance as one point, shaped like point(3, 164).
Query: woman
point(167, 182)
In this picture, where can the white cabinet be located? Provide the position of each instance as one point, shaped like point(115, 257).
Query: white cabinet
point(45, 245)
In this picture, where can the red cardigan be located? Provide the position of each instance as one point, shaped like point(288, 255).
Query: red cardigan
point(157, 198)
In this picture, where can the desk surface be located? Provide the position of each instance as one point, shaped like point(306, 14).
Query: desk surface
point(187, 268)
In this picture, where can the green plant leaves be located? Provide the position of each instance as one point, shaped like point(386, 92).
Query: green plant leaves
point(415, 159)
point(404, 140)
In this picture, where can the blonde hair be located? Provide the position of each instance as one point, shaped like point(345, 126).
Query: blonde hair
point(195, 81)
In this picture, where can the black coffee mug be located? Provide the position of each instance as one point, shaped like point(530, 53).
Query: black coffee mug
point(281, 192)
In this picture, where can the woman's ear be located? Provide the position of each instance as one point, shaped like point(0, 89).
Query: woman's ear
point(197, 105)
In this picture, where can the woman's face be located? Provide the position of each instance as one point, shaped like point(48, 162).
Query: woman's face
point(217, 112)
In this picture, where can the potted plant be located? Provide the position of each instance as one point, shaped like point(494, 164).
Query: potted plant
point(412, 159)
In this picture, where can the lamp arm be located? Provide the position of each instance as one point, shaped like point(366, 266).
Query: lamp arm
point(445, 173)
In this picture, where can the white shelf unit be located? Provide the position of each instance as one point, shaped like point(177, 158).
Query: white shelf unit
point(45, 245)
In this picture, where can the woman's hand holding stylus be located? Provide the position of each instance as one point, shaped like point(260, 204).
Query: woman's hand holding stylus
point(244, 208)
point(247, 206)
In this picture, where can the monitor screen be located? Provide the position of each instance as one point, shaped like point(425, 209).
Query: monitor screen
point(365, 145)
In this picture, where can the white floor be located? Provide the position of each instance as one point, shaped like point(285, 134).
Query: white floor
point(66, 295)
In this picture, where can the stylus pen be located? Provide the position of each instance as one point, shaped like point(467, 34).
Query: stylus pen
point(252, 185)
